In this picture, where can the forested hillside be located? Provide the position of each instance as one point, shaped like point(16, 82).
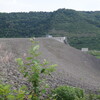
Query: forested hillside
point(82, 28)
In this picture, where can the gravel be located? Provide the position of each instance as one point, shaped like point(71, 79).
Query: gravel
point(74, 68)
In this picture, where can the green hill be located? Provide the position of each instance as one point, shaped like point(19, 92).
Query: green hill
point(82, 28)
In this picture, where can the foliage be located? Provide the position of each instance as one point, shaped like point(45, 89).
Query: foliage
point(60, 93)
point(95, 53)
point(85, 42)
point(72, 93)
point(93, 97)
point(82, 28)
point(32, 70)
point(68, 93)
point(7, 93)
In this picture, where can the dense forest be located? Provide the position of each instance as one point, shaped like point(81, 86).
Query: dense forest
point(82, 28)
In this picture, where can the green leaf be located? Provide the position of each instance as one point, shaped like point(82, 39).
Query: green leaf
point(35, 61)
point(47, 86)
point(43, 70)
point(29, 96)
point(25, 74)
point(19, 61)
point(29, 64)
point(43, 91)
point(45, 62)
point(29, 58)
point(36, 48)
point(24, 87)
point(11, 97)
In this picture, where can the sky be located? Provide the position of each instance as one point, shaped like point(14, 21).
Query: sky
point(48, 5)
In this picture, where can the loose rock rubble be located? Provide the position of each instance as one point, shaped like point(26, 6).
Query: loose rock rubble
point(74, 67)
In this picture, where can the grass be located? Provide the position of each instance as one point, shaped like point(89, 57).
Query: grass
point(95, 53)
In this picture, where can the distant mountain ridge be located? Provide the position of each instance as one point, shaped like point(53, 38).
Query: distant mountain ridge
point(81, 27)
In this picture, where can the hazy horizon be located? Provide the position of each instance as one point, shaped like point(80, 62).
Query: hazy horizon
point(48, 11)
point(48, 6)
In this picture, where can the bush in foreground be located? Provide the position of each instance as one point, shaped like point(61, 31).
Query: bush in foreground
point(68, 93)
point(32, 69)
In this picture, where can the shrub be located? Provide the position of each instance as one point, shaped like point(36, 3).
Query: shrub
point(94, 53)
point(32, 69)
point(93, 97)
point(68, 93)
point(6, 93)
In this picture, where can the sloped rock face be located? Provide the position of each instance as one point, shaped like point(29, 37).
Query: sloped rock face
point(9, 51)
point(75, 68)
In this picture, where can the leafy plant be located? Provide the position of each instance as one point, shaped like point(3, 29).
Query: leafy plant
point(93, 96)
point(5, 91)
point(33, 69)
point(68, 93)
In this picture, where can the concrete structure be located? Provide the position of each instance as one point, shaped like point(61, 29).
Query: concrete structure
point(60, 39)
point(84, 49)
point(49, 36)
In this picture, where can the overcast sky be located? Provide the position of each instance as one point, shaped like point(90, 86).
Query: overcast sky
point(48, 5)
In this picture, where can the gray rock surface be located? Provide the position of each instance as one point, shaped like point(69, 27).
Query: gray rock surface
point(75, 68)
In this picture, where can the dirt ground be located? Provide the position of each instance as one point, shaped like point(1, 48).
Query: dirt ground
point(74, 68)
